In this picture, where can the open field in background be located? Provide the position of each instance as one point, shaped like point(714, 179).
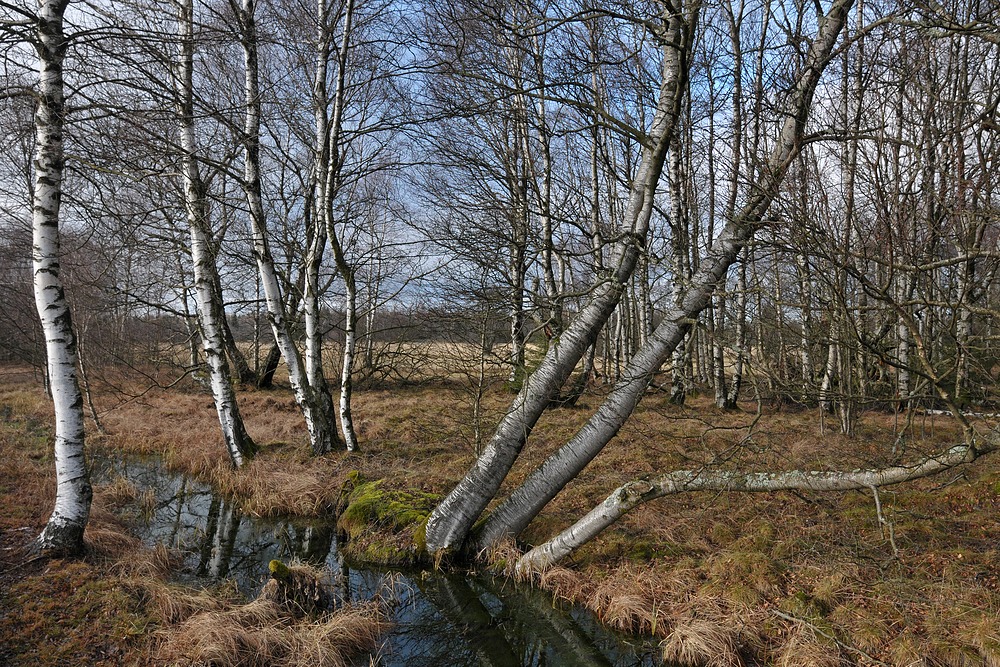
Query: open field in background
point(798, 579)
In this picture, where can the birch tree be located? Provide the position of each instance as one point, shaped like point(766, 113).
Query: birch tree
point(450, 522)
point(314, 405)
point(63, 533)
point(548, 479)
point(211, 311)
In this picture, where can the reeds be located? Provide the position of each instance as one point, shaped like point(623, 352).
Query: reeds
point(288, 625)
point(697, 642)
point(263, 634)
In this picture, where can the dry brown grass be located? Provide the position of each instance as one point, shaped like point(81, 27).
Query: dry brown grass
point(805, 649)
point(565, 584)
point(823, 555)
point(263, 634)
point(697, 642)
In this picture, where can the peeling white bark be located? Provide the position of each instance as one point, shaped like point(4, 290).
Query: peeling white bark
point(211, 313)
point(561, 467)
point(63, 533)
point(631, 495)
point(347, 368)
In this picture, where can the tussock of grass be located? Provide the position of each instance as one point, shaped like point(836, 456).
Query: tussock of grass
point(746, 577)
point(805, 649)
point(118, 492)
point(288, 625)
point(501, 559)
point(563, 583)
point(172, 603)
point(263, 634)
point(984, 634)
point(696, 642)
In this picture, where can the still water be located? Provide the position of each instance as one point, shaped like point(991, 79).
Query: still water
point(443, 620)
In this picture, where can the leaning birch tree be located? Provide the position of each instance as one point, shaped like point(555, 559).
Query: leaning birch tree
point(63, 533)
point(566, 463)
point(208, 294)
point(450, 522)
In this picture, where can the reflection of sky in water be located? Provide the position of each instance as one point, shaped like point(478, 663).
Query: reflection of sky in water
point(440, 620)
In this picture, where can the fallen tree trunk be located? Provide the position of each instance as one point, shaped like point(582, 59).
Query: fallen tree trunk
point(629, 496)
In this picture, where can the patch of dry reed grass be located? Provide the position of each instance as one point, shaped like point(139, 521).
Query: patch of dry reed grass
point(805, 649)
point(172, 604)
point(263, 634)
point(290, 624)
point(502, 559)
point(297, 490)
point(701, 642)
point(984, 634)
point(563, 583)
point(623, 602)
point(118, 492)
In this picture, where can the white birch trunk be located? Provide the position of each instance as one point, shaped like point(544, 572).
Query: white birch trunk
point(826, 386)
point(678, 247)
point(317, 230)
point(561, 467)
point(451, 520)
point(736, 383)
point(63, 533)
point(210, 309)
point(732, 395)
point(350, 346)
point(805, 341)
point(321, 430)
point(631, 495)
point(320, 203)
point(335, 156)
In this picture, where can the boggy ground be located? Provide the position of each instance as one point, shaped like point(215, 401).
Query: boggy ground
point(725, 579)
point(116, 606)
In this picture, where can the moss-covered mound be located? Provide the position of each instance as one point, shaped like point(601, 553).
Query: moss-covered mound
point(383, 526)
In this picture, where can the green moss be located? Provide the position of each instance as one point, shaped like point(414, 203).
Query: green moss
point(278, 570)
point(420, 535)
point(370, 506)
point(385, 526)
point(802, 605)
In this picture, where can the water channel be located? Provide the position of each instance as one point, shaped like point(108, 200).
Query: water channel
point(442, 620)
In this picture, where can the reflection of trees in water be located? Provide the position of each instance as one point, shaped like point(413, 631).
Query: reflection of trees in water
point(310, 543)
point(220, 539)
point(476, 628)
point(441, 619)
point(465, 623)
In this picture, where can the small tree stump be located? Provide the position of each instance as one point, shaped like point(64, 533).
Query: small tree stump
point(298, 588)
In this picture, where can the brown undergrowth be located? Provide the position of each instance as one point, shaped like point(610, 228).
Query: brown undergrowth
point(290, 624)
point(722, 579)
point(116, 606)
